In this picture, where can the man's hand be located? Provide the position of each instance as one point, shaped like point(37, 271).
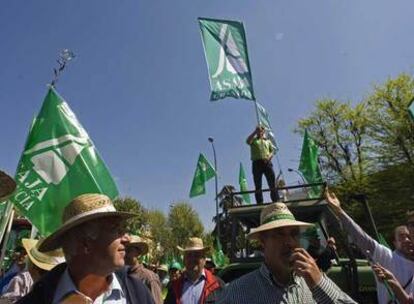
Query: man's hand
point(333, 202)
point(331, 243)
point(305, 266)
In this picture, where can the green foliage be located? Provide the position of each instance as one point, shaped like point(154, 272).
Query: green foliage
point(369, 148)
point(184, 222)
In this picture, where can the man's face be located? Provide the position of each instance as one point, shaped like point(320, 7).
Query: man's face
point(174, 274)
point(402, 241)
point(278, 245)
point(109, 248)
point(194, 261)
point(131, 255)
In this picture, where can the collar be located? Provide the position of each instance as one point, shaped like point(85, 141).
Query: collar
point(269, 277)
point(66, 287)
point(202, 277)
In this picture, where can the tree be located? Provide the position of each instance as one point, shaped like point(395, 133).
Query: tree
point(160, 234)
point(184, 222)
point(129, 204)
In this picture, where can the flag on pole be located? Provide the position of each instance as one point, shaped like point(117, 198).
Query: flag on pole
point(243, 184)
point(411, 109)
point(309, 166)
point(203, 173)
point(228, 65)
point(264, 120)
point(218, 257)
point(59, 162)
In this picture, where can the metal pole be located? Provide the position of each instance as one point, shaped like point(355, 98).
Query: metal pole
point(6, 238)
point(211, 140)
point(362, 198)
point(298, 173)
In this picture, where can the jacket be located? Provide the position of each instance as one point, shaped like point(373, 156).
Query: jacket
point(212, 287)
point(43, 291)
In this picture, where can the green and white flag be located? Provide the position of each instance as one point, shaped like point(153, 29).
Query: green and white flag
point(203, 173)
point(218, 256)
point(411, 109)
point(225, 49)
point(59, 162)
point(309, 166)
point(264, 120)
point(243, 184)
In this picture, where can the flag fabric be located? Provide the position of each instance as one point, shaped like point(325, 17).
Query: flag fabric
point(411, 109)
point(59, 162)
point(264, 121)
point(218, 256)
point(228, 65)
point(243, 185)
point(203, 173)
point(309, 166)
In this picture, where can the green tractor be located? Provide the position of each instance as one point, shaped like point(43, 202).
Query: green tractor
point(351, 274)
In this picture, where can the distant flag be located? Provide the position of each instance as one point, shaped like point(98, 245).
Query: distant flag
point(309, 166)
point(411, 109)
point(218, 257)
point(225, 49)
point(59, 162)
point(264, 120)
point(204, 172)
point(243, 184)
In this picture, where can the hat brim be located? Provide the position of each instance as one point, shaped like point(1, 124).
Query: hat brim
point(255, 232)
point(28, 245)
point(141, 246)
point(54, 241)
point(193, 248)
point(7, 186)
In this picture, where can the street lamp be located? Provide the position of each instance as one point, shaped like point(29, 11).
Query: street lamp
point(298, 173)
point(211, 140)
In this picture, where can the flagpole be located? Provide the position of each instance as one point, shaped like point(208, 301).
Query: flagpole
point(257, 112)
point(6, 237)
point(211, 140)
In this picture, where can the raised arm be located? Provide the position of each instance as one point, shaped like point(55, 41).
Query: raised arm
point(251, 137)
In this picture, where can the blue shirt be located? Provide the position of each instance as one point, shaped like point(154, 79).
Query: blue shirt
point(65, 287)
point(192, 290)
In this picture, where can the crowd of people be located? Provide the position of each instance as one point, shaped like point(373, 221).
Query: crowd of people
point(92, 259)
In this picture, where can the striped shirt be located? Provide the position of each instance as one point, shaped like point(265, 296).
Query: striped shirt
point(259, 287)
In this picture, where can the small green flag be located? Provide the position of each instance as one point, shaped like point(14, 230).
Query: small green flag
point(218, 257)
point(227, 59)
point(411, 109)
point(59, 162)
point(309, 165)
point(243, 184)
point(203, 173)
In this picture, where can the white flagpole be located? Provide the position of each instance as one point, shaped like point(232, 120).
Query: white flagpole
point(6, 237)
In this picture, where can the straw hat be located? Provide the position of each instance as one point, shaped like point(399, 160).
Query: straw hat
point(139, 243)
point(45, 261)
point(7, 186)
point(163, 267)
point(81, 209)
point(273, 216)
point(193, 244)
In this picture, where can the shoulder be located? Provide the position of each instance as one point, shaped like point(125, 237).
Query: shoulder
point(133, 286)
point(248, 280)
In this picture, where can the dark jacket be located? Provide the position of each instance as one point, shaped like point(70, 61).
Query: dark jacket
point(44, 290)
point(212, 287)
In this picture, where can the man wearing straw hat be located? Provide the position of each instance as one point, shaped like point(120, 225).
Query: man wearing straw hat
point(196, 285)
point(37, 265)
point(93, 240)
point(137, 247)
point(289, 274)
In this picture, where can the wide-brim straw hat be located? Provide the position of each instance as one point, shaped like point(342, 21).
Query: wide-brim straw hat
point(7, 186)
point(139, 243)
point(194, 244)
point(81, 209)
point(276, 215)
point(46, 260)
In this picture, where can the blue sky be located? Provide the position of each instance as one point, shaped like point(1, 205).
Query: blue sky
point(139, 84)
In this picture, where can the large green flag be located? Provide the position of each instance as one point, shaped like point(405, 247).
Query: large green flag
point(243, 184)
point(203, 173)
point(225, 49)
point(59, 162)
point(218, 256)
point(411, 109)
point(309, 165)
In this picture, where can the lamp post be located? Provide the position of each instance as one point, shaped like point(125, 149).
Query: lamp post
point(211, 140)
point(298, 173)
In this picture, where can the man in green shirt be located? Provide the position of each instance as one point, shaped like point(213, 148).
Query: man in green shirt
point(261, 151)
